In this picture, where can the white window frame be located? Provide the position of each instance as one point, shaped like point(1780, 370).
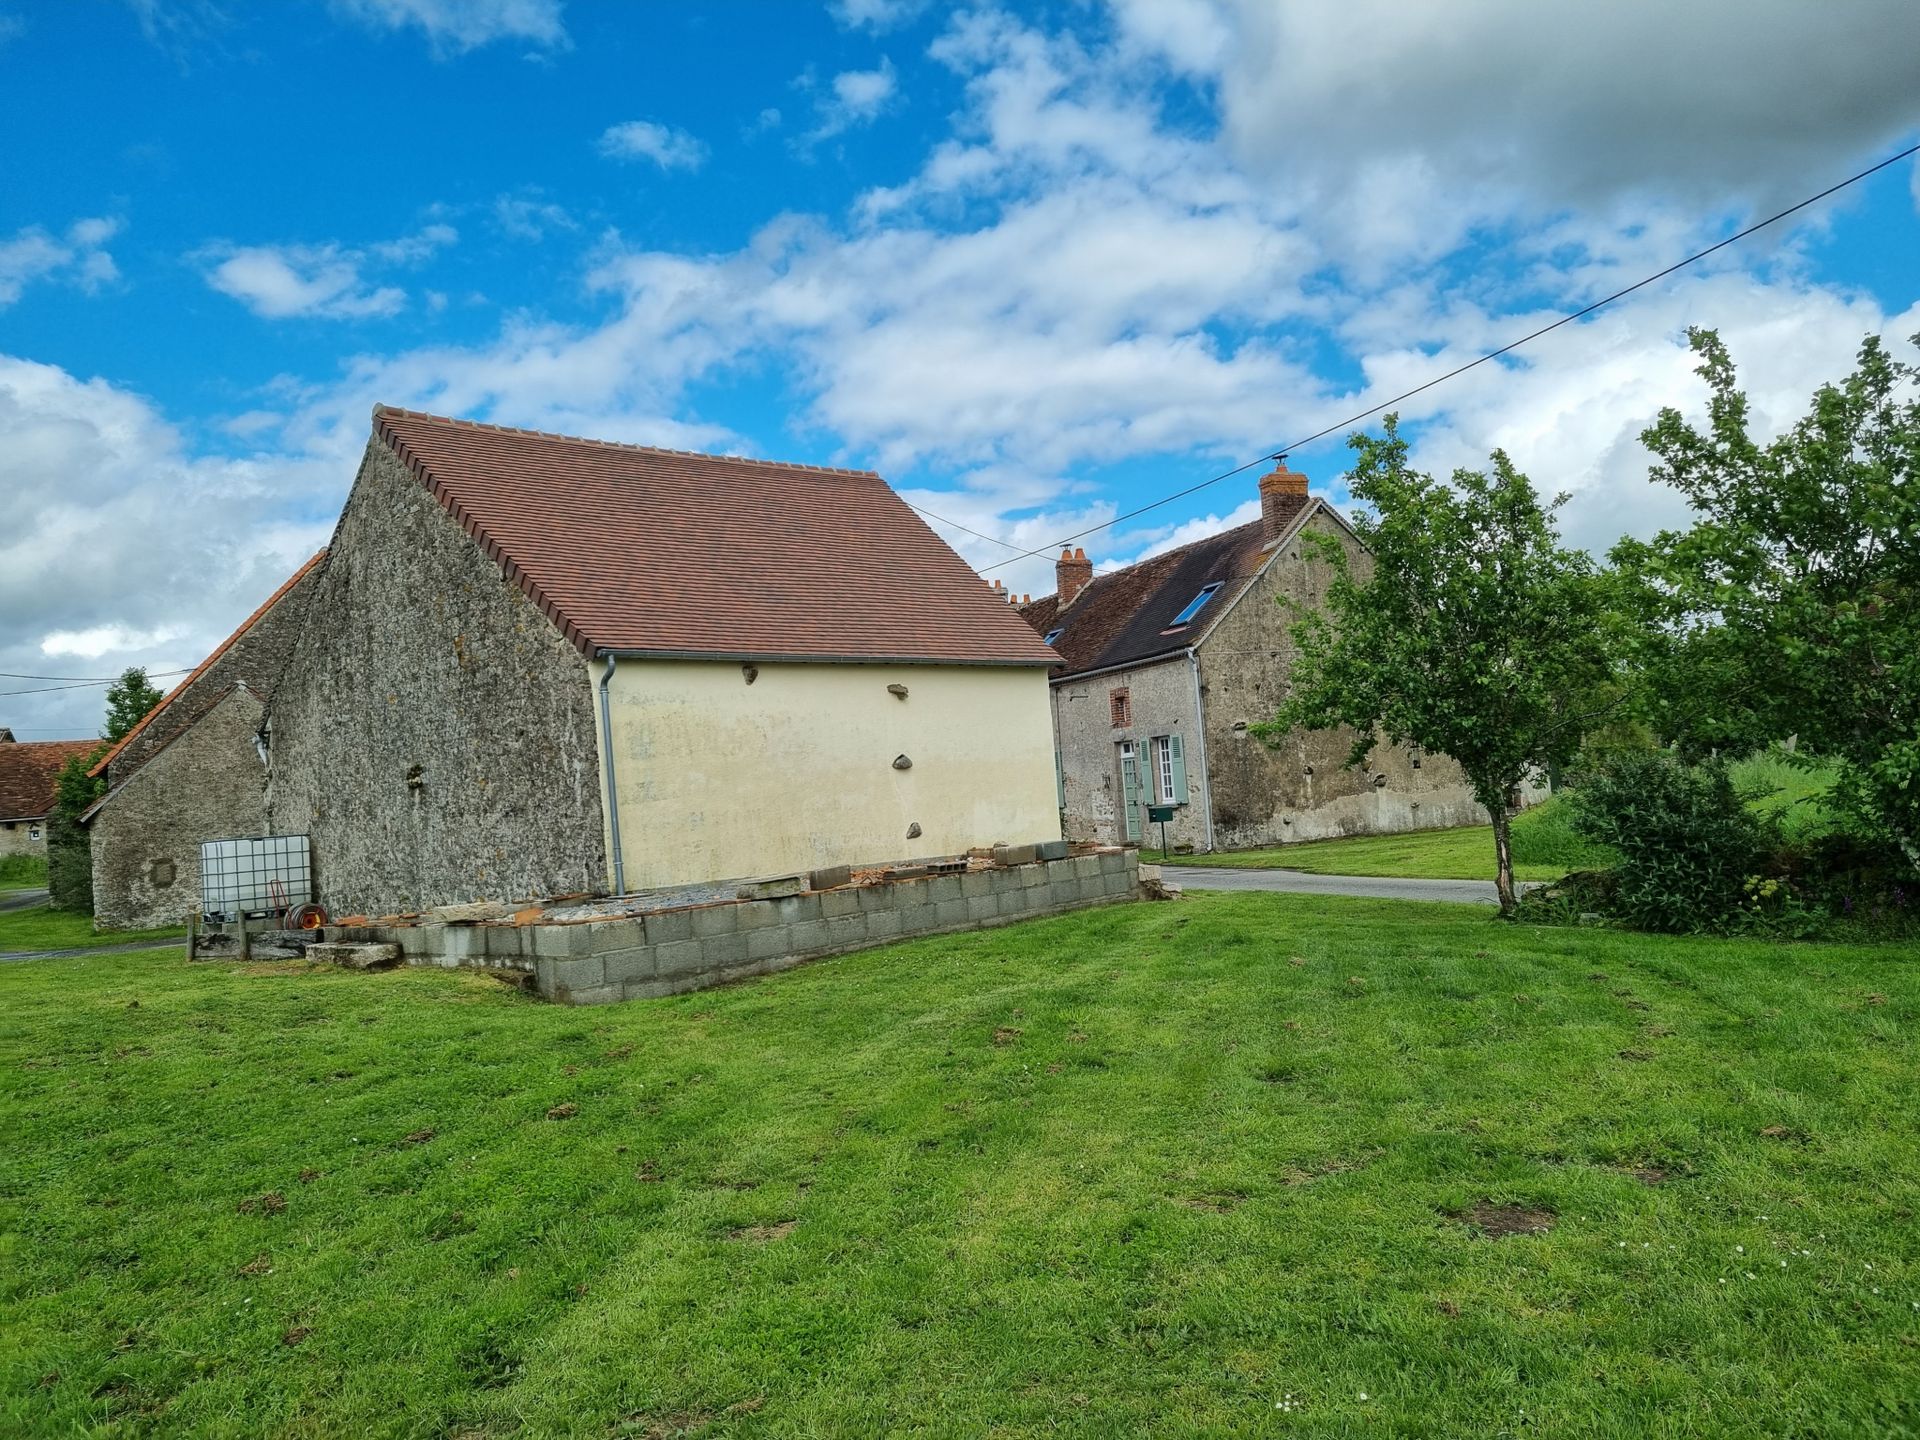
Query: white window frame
point(1162, 771)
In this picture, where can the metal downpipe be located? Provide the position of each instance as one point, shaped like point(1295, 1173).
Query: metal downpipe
point(606, 769)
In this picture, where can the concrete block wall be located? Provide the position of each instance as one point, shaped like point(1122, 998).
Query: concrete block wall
point(666, 952)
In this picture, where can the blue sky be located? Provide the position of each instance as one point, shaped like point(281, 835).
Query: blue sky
point(1038, 263)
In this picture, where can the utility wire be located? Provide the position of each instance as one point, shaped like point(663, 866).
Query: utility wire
point(77, 679)
point(1460, 369)
point(79, 684)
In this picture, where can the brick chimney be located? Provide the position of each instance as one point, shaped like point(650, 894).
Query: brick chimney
point(1072, 573)
point(1283, 495)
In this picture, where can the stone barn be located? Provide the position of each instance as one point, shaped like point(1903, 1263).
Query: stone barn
point(538, 665)
point(1166, 664)
point(191, 770)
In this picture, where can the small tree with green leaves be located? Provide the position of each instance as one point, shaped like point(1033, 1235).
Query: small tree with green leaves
point(69, 851)
point(1791, 608)
point(1472, 632)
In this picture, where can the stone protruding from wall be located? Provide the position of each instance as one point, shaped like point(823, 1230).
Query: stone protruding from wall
point(1072, 573)
point(667, 952)
point(1283, 495)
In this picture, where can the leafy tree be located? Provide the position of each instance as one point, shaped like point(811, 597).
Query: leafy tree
point(69, 850)
point(128, 700)
point(1470, 631)
point(1792, 607)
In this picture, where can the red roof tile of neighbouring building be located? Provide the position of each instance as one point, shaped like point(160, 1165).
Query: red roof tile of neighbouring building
point(28, 772)
point(664, 552)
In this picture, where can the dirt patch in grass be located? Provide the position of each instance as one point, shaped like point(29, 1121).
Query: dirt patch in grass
point(271, 1203)
point(761, 1234)
point(1335, 1165)
point(563, 1112)
point(1217, 1203)
point(1497, 1222)
point(1649, 1174)
point(1006, 1035)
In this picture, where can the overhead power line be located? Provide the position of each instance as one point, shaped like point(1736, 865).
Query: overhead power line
point(78, 684)
point(1511, 345)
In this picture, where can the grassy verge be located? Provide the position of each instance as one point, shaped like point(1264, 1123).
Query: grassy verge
point(23, 872)
point(37, 927)
point(1175, 1170)
point(1544, 848)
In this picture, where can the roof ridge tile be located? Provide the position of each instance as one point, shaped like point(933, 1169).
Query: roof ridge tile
point(381, 411)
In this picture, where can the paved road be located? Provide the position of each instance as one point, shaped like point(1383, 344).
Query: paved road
point(8, 956)
point(20, 899)
point(1299, 882)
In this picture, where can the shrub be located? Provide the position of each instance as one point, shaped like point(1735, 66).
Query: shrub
point(1686, 841)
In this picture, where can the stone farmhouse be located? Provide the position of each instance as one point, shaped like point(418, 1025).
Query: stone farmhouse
point(1166, 664)
point(191, 770)
point(29, 772)
point(535, 665)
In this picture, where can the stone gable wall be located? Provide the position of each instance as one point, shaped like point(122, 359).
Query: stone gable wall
point(1302, 790)
point(434, 732)
point(207, 785)
point(255, 659)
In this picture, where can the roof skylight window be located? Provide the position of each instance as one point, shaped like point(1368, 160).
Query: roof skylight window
point(1053, 635)
point(1197, 604)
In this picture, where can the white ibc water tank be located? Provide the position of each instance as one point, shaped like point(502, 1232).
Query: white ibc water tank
point(254, 875)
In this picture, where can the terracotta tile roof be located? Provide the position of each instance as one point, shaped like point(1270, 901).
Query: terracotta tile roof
point(28, 770)
point(1126, 616)
point(186, 686)
point(628, 548)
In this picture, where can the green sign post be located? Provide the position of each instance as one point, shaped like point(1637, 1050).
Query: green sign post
point(1161, 813)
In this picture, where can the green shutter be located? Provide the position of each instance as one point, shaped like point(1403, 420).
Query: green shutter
point(1177, 756)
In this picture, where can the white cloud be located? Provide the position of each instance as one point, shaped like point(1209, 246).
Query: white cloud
point(315, 281)
point(529, 216)
point(77, 258)
point(122, 546)
point(414, 249)
point(1399, 128)
point(858, 98)
point(457, 26)
point(105, 640)
point(322, 282)
point(876, 14)
point(666, 147)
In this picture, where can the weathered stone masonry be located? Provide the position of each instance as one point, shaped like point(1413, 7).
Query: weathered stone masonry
point(425, 676)
point(1302, 788)
point(670, 951)
point(206, 784)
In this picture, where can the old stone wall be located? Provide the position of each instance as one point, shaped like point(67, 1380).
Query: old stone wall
point(671, 951)
point(1301, 789)
point(255, 658)
point(434, 732)
point(207, 785)
point(1161, 701)
point(23, 837)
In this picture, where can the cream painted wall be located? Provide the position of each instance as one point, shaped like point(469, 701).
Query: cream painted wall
point(720, 779)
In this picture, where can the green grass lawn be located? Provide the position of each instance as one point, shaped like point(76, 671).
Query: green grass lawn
point(23, 872)
point(1544, 848)
point(1465, 853)
point(35, 927)
point(1170, 1170)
